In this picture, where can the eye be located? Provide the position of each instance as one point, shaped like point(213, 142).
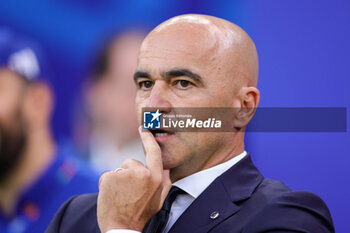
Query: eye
point(145, 85)
point(183, 84)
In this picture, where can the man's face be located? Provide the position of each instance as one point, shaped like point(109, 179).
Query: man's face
point(12, 132)
point(179, 69)
point(114, 95)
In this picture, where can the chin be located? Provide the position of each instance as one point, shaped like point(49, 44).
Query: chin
point(172, 156)
point(169, 161)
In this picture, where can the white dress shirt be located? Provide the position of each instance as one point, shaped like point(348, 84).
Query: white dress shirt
point(193, 185)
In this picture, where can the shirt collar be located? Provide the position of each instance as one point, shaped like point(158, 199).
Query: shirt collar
point(196, 183)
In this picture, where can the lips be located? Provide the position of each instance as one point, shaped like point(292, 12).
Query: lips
point(161, 134)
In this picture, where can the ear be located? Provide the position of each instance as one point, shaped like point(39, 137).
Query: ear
point(249, 99)
point(38, 105)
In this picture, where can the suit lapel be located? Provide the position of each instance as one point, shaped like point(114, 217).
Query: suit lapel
point(236, 184)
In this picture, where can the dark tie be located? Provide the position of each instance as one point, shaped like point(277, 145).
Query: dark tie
point(158, 222)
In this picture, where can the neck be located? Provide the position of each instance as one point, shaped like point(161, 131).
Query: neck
point(37, 156)
point(234, 147)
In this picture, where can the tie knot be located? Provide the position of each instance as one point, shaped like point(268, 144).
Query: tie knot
point(159, 221)
point(174, 191)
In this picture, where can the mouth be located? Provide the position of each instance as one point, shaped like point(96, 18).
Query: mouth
point(161, 134)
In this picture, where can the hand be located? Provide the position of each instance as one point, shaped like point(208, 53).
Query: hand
point(128, 198)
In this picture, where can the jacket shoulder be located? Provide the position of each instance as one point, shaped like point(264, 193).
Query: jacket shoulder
point(77, 214)
point(287, 210)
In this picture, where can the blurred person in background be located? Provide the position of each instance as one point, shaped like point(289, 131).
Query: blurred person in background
point(110, 103)
point(36, 174)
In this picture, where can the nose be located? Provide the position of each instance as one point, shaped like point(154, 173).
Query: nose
point(159, 97)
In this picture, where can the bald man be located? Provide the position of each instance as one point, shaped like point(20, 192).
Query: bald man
point(194, 182)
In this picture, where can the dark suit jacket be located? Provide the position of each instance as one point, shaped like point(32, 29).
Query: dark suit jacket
point(245, 201)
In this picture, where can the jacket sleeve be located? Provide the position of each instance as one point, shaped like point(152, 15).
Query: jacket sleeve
point(78, 214)
point(55, 223)
point(295, 211)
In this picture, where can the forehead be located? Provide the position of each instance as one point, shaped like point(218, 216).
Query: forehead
point(190, 47)
point(123, 54)
point(127, 45)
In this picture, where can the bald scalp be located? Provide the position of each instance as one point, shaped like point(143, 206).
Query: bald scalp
point(223, 43)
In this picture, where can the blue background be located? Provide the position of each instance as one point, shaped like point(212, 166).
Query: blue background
point(304, 58)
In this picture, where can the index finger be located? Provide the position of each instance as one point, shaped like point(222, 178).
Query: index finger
point(152, 150)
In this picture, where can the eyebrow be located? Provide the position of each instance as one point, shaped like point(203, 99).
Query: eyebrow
point(182, 72)
point(169, 74)
point(140, 74)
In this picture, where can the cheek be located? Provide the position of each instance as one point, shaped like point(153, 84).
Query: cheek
point(208, 142)
point(183, 145)
point(138, 110)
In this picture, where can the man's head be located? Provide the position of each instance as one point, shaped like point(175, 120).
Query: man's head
point(111, 93)
point(25, 103)
point(198, 61)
